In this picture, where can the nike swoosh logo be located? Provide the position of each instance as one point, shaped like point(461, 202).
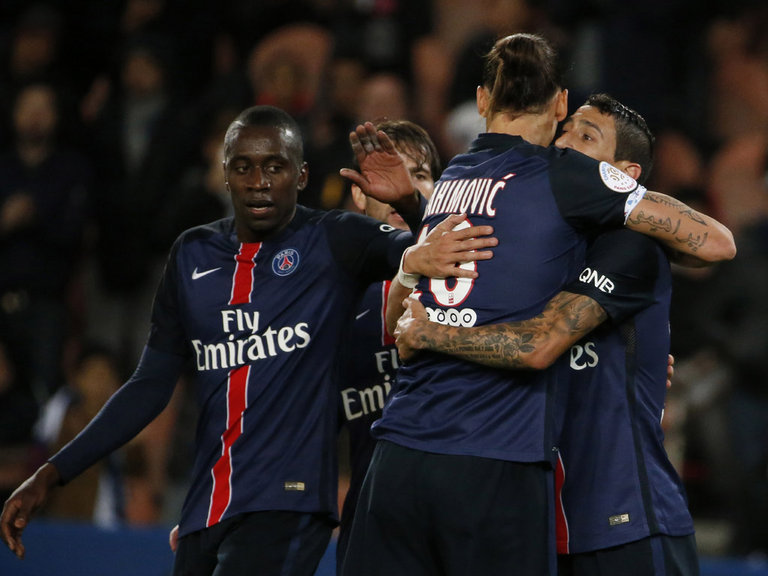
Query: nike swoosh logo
point(196, 274)
point(363, 313)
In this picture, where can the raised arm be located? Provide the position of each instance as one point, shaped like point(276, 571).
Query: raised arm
point(383, 174)
point(529, 344)
point(694, 238)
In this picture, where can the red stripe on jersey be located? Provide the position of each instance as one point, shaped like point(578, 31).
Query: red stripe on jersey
point(237, 401)
point(561, 522)
point(242, 281)
point(386, 337)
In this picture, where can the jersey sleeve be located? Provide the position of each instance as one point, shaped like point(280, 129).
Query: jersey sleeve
point(166, 331)
point(620, 273)
point(366, 248)
point(592, 195)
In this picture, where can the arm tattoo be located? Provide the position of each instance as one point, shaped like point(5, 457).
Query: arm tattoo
point(515, 345)
point(673, 226)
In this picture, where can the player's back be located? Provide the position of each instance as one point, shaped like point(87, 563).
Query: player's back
point(444, 404)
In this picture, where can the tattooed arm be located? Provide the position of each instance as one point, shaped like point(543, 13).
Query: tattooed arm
point(693, 237)
point(534, 343)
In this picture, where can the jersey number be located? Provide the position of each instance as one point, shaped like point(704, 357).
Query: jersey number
point(452, 291)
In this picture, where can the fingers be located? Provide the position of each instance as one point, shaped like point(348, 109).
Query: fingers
point(366, 139)
point(415, 307)
point(173, 538)
point(355, 177)
point(450, 223)
point(12, 524)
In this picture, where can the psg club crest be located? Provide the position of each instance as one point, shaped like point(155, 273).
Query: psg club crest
point(285, 262)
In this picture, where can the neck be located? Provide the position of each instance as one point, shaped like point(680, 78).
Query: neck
point(537, 129)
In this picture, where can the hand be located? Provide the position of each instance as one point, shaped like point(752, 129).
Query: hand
point(173, 538)
point(27, 498)
point(383, 174)
point(410, 328)
point(670, 370)
point(447, 246)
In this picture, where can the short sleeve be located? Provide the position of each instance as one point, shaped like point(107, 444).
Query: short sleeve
point(591, 195)
point(620, 273)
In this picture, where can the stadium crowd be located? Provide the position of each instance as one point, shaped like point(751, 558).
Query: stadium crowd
point(113, 115)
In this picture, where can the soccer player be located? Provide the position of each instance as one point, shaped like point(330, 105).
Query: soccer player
point(257, 304)
point(461, 478)
point(621, 506)
point(370, 353)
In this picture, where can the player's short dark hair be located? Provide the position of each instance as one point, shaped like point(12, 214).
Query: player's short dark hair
point(267, 116)
point(522, 73)
point(634, 140)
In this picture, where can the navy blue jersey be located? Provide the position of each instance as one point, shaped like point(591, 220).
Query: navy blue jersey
point(539, 201)
point(615, 481)
point(370, 376)
point(262, 323)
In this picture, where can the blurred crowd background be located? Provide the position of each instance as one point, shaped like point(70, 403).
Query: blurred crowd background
point(112, 120)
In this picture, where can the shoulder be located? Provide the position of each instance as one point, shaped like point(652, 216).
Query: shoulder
point(346, 222)
point(218, 228)
point(624, 239)
point(636, 254)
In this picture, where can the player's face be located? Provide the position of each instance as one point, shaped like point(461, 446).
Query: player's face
point(422, 181)
point(590, 132)
point(263, 178)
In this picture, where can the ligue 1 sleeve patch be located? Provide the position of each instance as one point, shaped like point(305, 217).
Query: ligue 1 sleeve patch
point(285, 262)
point(615, 179)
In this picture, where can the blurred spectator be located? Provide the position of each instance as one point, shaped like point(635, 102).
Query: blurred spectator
point(737, 312)
point(33, 52)
point(327, 145)
point(384, 95)
point(384, 34)
point(95, 495)
point(285, 69)
point(738, 188)
point(200, 195)
point(738, 52)
point(376, 96)
point(499, 18)
point(737, 325)
point(44, 190)
point(679, 164)
point(139, 143)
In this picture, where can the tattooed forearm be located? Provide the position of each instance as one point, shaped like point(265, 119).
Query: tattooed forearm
point(685, 226)
point(499, 346)
point(533, 343)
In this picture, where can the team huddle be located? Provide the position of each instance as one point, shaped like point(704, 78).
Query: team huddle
point(494, 336)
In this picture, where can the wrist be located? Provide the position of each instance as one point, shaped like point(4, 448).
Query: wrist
point(49, 474)
point(409, 280)
point(408, 204)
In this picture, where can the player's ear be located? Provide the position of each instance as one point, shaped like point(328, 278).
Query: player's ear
point(303, 176)
point(631, 168)
point(561, 106)
point(483, 98)
point(358, 197)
